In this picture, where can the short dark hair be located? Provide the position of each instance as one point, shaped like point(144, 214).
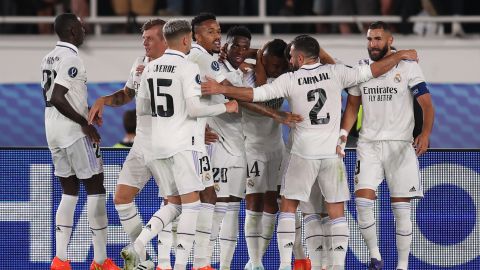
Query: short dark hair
point(276, 48)
point(307, 45)
point(287, 51)
point(175, 28)
point(380, 25)
point(239, 31)
point(130, 121)
point(63, 23)
point(152, 23)
point(199, 19)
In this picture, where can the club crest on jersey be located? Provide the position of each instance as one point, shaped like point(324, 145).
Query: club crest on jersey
point(215, 66)
point(250, 182)
point(397, 78)
point(72, 72)
point(217, 187)
point(197, 79)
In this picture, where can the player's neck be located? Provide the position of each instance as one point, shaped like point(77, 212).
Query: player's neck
point(182, 49)
point(310, 61)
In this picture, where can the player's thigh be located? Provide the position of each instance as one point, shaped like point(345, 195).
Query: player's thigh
point(256, 174)
point(186, 173)
point(402, 170)
point(85, 158)
point(61, 163)
point(315, 204)
point(135, 172)
point(274, 173)
point(162, 171)
point(332, 179)
point(300, 176)
point(369, 167)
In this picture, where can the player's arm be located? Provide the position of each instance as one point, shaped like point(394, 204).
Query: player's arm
point(118, 98)
point(325, 58)
point(421, 142)
point(196, 109)
point(260, 73)
point(385, 64)
point(348, 120)
point(61, 103)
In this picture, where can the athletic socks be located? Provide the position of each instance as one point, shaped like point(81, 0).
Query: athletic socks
point(403, 223)
point(228, 235)
point(187, 225)
point(286, 237)
point(367, 225)
point(98, 222)
point(130, 219)
point(64, 225)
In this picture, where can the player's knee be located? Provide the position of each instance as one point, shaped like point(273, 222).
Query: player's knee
point(124, 194)
point(70, 185)
point(94, 185)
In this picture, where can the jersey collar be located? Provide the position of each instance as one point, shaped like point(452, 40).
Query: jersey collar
point(229, 66)
point(198, 47)
point(67, 45)
point(174, 52)
point(311, 66)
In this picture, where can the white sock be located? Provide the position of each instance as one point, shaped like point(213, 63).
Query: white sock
point(164, 245)
point(327, 242)
point(98, 222)
point(187, 226)
point(159, 220)
point(298, 251)
point(340, 235)
point(218, 216)
point(367, 225)
point(268, 227)
point(403, 223)
point(314, 237)
point(64, 225)
point(253, 223)
point(228, 235)
point(286, 237)
point(130, 219)
point(202, 234)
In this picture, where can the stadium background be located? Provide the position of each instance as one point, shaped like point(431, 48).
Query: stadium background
point(446, 221)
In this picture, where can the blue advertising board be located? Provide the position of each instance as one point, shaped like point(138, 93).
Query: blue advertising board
point(446, 222)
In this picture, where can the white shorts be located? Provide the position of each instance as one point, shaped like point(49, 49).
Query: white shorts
point(395, 161)
point(229, 172)
point(205, 166)
point(135, 172)
point(179, 174)
point(302, 174)
point(263, 172)
point(82, 159)
point(316, 203)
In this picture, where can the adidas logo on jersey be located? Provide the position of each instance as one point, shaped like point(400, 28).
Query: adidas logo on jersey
point(339, 248)
point(179, 246)
point(319, 248)
point(288, 245)
point(413, 189)
point(58, 229)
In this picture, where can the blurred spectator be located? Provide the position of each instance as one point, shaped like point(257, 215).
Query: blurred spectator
point(322, 8)
point(354, 7)
point(130, 125)
point(405, 9)
point(450, 7)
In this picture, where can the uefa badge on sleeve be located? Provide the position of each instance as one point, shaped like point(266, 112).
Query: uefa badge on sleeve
point(72, 72)
point(215, 66)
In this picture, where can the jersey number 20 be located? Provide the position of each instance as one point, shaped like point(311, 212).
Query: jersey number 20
point(313, 115)
point(161, 110)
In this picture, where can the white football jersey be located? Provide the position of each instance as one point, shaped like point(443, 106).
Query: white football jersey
point(143, 109)
point(314, 92)
point(228, 126)
point(210, 67)
point(168, 81)
point(64, 67)
point(388, 103)
point(262, 133)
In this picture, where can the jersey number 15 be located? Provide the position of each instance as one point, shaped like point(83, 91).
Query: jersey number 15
point(160, 110)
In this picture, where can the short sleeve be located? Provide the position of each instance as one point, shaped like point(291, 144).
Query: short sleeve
point(354, 91)
point(352, 76)
point(215, 70)
point(143, 91)
point(131, 78)
point(68, 71)
point(415, 75)
point(191, 81)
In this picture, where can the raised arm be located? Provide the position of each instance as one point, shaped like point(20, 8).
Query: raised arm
point(385, 64)
point(325, 58)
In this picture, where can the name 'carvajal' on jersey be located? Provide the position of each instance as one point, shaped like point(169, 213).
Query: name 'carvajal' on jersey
point(313, 79)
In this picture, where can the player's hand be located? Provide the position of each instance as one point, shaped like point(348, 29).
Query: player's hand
point(288, 118)
point(222, 55)
point(232, 106)
point(210, 135)
point(246, 67)
point(91, 133)
point(211, 87)
point(96, 112)
point(408, 55)
point(139, 69)
point(341, 143)
point(421, 143)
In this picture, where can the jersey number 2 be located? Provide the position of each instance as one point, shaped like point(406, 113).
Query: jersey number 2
point(313, 115)
point(161, 110)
